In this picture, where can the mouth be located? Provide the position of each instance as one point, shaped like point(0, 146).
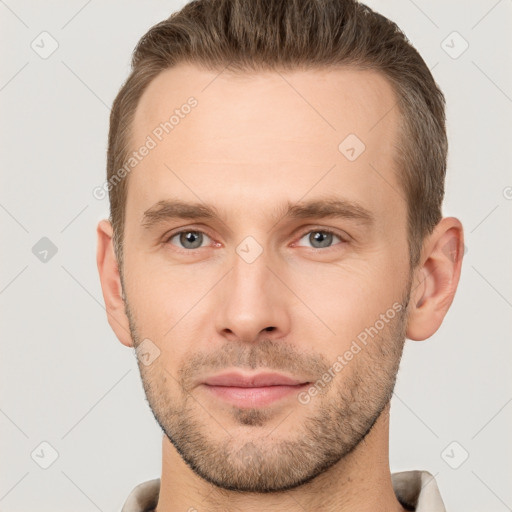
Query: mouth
point(256, 390)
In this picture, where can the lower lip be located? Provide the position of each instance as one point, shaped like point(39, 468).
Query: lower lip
point(254, 397)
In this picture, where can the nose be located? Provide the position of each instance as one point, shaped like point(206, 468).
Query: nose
point(254, 302)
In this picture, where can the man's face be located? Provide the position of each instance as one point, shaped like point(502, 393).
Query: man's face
point(255, 290)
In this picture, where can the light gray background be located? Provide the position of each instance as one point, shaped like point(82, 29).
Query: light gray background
point(67, 381)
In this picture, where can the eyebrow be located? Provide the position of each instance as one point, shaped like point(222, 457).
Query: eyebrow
point(329, 207)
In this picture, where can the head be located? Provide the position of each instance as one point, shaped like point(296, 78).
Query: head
point(304, 118)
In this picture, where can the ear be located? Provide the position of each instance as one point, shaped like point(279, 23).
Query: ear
point(111, 284)
point(435, 279)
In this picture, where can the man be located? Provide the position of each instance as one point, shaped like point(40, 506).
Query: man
point(299, 147)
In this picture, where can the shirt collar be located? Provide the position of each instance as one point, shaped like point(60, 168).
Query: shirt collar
point(415, 490)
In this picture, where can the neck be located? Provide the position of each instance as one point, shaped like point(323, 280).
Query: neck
point(360, 481)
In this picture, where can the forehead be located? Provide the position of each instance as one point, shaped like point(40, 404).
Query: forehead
point(330, 100)
point(268, 135)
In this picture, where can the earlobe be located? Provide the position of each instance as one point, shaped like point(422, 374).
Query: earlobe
point(111, 284)
point(436, 279)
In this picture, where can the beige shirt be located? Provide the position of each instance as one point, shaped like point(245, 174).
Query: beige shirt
point(415, 490)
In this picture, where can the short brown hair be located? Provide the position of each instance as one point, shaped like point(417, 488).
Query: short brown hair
point(262, 35)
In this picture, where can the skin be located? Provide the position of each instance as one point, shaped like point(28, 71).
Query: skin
point(251, 144)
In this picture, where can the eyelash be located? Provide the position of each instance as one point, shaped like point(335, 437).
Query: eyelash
point(343, 239)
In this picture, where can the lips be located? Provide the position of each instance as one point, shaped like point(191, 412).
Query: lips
point(259, 380)
point(250, 391)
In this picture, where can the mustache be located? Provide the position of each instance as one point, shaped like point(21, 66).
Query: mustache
point(266, 354)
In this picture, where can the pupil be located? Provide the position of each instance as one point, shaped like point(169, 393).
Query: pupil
point(322, 237)
point(188, 238)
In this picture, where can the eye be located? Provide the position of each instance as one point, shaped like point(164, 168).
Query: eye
point(321, 238)
point(189, 239)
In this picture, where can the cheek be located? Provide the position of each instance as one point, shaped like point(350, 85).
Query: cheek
point(346, 299)
point(165, 298)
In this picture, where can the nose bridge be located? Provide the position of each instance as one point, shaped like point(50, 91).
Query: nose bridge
point(252, 300)
point(250, 272)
